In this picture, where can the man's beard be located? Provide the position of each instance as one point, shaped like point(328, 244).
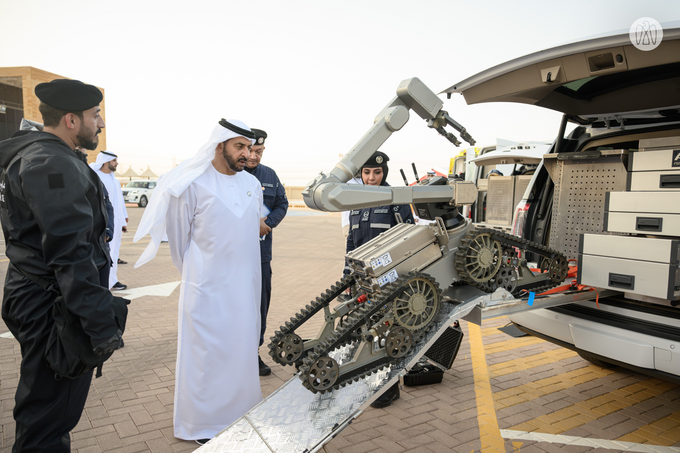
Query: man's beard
point(233, 163)
point(87, 138)
point(111, 167)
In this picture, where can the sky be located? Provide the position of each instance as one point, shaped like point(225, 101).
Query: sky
point(312, 74)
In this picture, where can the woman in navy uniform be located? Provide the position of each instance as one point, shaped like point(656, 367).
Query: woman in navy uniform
point(366, 224)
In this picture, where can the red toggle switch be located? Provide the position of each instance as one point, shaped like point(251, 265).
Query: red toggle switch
point(361, 299)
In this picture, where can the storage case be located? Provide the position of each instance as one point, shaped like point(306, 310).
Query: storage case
point(645, 266)
point(657, 170)
point(656, 213)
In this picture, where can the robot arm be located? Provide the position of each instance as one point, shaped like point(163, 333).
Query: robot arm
point(331, 193)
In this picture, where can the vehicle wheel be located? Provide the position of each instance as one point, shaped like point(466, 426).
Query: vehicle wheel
point(143, 202)
point(595, 361)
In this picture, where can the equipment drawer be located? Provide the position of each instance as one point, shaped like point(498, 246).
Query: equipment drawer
point(666, 180)
point(642, 202)
point(667, 159)
point(642, 223)
point(631, 276)
point(665, 251)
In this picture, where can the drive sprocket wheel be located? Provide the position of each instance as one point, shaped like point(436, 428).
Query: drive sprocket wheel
point(483, 258)
point(398, 342)
point(289, 348)
point(418, 304)
point(507, 278)
point(323, 374)
point(558, 269)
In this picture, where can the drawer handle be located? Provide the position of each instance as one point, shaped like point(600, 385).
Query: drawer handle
point(669, 182)
point(622, 281)
point(648, 224)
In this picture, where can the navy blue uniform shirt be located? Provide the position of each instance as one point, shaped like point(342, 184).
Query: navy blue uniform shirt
point(274, 197)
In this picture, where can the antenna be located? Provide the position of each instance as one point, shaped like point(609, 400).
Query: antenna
point(415, 172)
point(403, 176)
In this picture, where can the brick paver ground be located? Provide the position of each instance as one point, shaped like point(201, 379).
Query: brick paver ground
point(535, 386)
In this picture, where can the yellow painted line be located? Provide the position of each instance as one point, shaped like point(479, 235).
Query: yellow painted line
point(489, 433)
point(531, 361)
point(513, 343)
point(571, 441)
point(665, 431)
point(600, 406)
point(486, 331)
point(543, 387)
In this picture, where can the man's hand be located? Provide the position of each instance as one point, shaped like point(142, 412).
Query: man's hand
point(124, 229)
point(264, 228)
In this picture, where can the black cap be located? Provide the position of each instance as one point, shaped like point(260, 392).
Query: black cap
point(378, 159)
point(69, 95)
point(260, 136)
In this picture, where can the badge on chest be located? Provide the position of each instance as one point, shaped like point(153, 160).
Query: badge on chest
point(364, 218)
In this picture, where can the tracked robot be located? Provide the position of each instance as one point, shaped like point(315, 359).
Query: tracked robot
point(397, 278)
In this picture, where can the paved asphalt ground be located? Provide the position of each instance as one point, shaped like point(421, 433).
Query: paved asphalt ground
point(499, 389)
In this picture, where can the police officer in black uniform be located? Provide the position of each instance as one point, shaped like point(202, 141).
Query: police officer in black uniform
point(276, 202)
point(54, 220)
point(366, 224)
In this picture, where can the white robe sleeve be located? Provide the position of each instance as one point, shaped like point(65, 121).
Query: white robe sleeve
point(178, 222)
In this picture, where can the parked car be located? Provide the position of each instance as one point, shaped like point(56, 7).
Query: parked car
point(625, 105)
point(139, 191)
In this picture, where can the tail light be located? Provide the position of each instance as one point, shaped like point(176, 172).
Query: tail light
point(520, 218)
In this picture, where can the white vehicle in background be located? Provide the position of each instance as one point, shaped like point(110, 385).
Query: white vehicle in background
point(139, 191)
point(497, 199)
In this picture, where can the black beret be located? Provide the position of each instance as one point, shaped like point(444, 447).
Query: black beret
point(378, 159)
point(69, 95)
point(260, 136)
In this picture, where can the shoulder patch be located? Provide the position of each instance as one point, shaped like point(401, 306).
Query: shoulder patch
point(395, 208)
point(354, 212)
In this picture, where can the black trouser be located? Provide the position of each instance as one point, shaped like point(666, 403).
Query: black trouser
point(46, 409)
point(104, 276)
point(265, 297)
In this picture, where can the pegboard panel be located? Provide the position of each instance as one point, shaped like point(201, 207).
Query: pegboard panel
point(578, 199)
point(499, 207)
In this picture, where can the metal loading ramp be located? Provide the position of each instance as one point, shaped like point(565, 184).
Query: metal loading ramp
point(293, 419)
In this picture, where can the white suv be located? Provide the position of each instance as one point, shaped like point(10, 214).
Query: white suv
point(624, 103)
point(139, 191)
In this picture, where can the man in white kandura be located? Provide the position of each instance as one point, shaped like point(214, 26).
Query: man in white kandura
point(211, 209)
point(104, 166)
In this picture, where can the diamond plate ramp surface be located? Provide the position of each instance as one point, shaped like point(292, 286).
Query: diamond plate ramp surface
point(293, 419)
point(240, 437)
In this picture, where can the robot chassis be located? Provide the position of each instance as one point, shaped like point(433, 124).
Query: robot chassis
point(396, 278)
